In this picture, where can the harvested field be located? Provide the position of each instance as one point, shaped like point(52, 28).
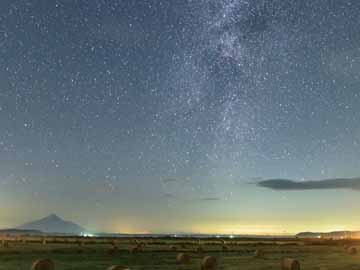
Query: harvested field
point(158, 254)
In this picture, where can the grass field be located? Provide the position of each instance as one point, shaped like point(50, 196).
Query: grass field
point(157, 254)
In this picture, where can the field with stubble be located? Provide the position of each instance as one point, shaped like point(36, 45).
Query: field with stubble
point(161, 253)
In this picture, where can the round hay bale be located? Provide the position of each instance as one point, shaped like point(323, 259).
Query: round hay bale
point(208, 263)
point(259, 253)
point(352, 250)
point(118, 267)
point(113, 243)
point(137, 242)
point(5, 244)
point(135, 249)
point(290, 264)
point(183, 258)
point(43, 264)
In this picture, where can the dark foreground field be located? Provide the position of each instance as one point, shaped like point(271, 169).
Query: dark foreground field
point(161, 253)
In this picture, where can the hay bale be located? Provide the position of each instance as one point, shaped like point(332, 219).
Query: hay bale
point(137, 242)
point(136, 249)
point(43, 264)
point(118, 267)
point(173, 248)
point(183, 258)
point(133, 249)
point(225, 248)
point(5, 243)
point(208, 263)
point(259, 253)
point(290, 264)
point(113, 243)
point(352, 250)
point(44, 241)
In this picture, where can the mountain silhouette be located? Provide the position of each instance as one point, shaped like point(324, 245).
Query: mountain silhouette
point(334, 234)
point(53, 224)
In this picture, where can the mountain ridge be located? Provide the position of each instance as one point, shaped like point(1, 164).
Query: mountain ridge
point(332, 234)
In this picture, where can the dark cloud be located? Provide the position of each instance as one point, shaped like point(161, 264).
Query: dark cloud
point(336, 183)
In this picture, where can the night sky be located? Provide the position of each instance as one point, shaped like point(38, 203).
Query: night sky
point(172, 116)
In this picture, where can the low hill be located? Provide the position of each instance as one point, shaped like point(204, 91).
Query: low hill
point(334, 234)
point(19, 232)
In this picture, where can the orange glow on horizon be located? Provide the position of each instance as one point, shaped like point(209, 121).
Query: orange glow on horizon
point(236, 229)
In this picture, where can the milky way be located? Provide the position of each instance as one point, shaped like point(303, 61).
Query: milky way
point(179, 106)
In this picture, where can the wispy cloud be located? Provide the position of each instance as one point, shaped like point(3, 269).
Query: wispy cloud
point(256, 178)
point(210, 199)
point(169, 195)
point(335, 183)
point(170, 180)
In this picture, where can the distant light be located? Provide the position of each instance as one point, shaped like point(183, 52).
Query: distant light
point(87, 234)
point(218, 236)
point(231, 236)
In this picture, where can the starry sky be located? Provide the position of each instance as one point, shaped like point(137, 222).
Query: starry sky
point(173, 116)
